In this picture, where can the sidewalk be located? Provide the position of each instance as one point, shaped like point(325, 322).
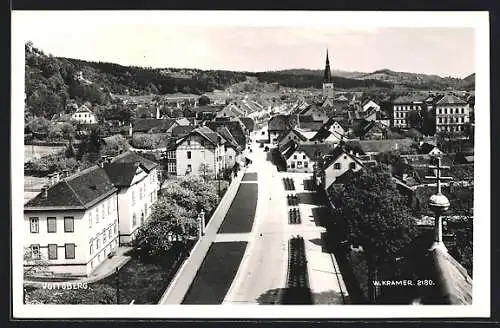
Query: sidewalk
point(325, 280)
point(107, 268)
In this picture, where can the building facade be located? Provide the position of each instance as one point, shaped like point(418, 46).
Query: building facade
point(402, 107)
point(84, 116)
point(72, 226)
point(452, 113)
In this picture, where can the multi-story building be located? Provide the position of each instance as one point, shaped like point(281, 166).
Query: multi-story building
point(199, 152)
point(452, 113)
point(137, 181)
point(402, 106)
point(72, 225)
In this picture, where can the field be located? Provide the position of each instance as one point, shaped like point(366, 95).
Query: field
point(32, 151)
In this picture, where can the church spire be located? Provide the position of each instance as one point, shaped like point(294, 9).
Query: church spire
point(327, 76)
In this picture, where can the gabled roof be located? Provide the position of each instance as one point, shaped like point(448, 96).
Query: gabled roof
point(131, 157)
point(79, 191)
point(224, 132)
point(208, 134)
point(294, 131)
point(147, 124)
point(451, 100)
point(311, 125)
point(341, 98)
point(83, 109)
point(279, 122)
point(236, 128)
point(248, 122)
point(341, 150)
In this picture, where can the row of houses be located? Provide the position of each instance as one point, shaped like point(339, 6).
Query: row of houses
point(77, 221)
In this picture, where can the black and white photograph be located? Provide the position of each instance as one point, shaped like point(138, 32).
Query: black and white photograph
point(243, 162)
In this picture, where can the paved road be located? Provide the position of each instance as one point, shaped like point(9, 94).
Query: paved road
point(264, 265)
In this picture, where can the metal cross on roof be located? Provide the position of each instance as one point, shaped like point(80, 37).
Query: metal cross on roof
point(438, 176)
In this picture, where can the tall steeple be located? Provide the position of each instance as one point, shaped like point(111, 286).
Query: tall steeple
point(327, 76)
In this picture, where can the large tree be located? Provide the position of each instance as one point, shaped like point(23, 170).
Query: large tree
point(377, 216)
point(206, 194)
point(166, 218)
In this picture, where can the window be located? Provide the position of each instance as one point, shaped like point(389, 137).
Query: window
point(336, 166)
point(69, 224)
point(303, 156)
point(96, 216)
point(189, 155)
point(69, 251)
point(230, 157)
point(102, 212)
point(463, 110)
point(189, 142)
point(35, 252)
point(293, 165)
point(202, 154)
point(151, 197)
point(294, 156)
point(97, 242)
point(52, 251)
point(91, 247)
point(306, 164)
point(51, 225)
point(142, 218)
point(146, 209)
point(189, 168)
point(110, 233)
point(133, 197)
point(34, 225)
point(109, 206)
point(134, 220)
point(104, 236)
point(140, 193)
point(352, 165)
point(171, 167)
point(114, 228)
point(90, 219)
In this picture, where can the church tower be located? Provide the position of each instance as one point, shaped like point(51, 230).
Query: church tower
point(327, 79)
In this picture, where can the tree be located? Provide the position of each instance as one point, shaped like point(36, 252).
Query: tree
point(114, 145)
point(91, 145)
point(377, 216)
point(182, 196)
point(40, 125)
point(203, 100)
point(206, 171)
point(207, 198)
point(166, 218)
point(32, 265)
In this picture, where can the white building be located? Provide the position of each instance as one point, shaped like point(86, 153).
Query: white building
point(452, 113)
point(137, 181)
point(339, 163)
point(200, 152)
point(73, 225)
point(84, 116)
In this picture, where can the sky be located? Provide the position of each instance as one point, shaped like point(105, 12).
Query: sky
point(165, 40)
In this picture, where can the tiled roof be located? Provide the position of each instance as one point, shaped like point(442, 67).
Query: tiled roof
point(235, 127)
point(279, 122)
point(147, 124)
point(295, 131)
point(451, 100)
point(83, 109)
point(122, 168)
point(224, 132)
point(345, 177)
point(182, 130)
point(311, 126)
point(79, 191)
point(248, 122)
point(131, 157)
point(207, 133)
point(316, 151)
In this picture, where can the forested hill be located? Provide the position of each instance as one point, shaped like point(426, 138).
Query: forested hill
point(51, 81)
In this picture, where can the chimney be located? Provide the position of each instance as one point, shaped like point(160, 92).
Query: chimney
point(45, 191)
